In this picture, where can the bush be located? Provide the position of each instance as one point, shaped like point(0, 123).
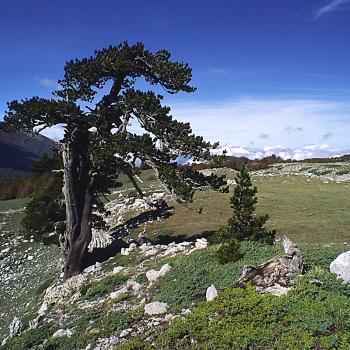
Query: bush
point(229, 251)
point(106, 285)
point(308, 317)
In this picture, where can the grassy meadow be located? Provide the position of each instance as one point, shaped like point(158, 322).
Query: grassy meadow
point(308, 210)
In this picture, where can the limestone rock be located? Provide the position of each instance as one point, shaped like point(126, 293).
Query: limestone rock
point(59, 294)
point(118, 269)
point(211, 293)
point(341, 266)
point(15, 327)
point(276, 271)
point(118, 292)
point(43, 309)
point(155, 308)
point(153, 275)
point(62, 333)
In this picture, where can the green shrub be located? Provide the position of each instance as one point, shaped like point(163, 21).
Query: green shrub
point(191, 275)
point(229, 251)
point(30, 338)
point(308, 317)
point(106, 285)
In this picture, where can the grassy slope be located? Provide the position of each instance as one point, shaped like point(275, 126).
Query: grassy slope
point(238, 319)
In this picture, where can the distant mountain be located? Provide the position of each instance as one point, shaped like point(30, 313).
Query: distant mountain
point(18, 152)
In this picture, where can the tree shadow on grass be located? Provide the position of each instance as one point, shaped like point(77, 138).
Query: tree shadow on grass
point(121, 231)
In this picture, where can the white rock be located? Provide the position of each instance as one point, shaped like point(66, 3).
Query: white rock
point(152, 275)
point(118, 292)
point(201, 243)
point(30, 257)
point(211, 293)
point(132, 247)
point(60, 293)
point(63, 333)
point(89, 269)
point(43, 309)
point(155, 308)
point(341, 266)
point(277, 290)
point(164, 269)
point(15, 327)
point(118, 269)
point(125, 332)
point(125, 251)
point(135, 286)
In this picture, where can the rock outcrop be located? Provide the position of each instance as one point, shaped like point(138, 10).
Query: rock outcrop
point(341, 266)
point(275, 275)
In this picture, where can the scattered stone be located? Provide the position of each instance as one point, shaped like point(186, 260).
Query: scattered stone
point(341, 266)
point(211, 293)
point(30, 257)
point(201, 243)
point(135, 286)
point(58, 294)
point(125, 251)
point(15, 327)
point(43, 309)
point(118, 292)
point(276, 290)
point(125, 333)
point(155, 308)
point(118, 269)
point(63, 333)
point(153, 275)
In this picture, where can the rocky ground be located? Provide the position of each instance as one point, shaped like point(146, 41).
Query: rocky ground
point(339, 172)
point(21, 272)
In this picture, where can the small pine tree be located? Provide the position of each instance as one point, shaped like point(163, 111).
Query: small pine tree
point(229, 251)
point(244, 224)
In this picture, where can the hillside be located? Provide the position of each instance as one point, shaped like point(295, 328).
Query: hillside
point(18, 152)
point(104, 308)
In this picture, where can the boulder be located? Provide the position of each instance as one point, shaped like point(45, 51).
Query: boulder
point(341, 266)
point(62, 333)
point(118, 269)
point(58, 294)
point(15, 327)
point(276, 272)
point(155, 308)
point(153, 275)
point(211, 293)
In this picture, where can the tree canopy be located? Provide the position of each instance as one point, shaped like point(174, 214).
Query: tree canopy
point(100, 105)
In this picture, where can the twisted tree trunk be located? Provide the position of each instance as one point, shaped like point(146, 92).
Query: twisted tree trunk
point(78, 182)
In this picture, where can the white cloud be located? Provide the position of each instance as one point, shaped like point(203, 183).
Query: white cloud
point(289, 122)
point(55, 132)
point(334, 5)
point(48, 83)
point(308, 151)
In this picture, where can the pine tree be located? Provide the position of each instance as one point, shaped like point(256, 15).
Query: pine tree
point(244, 223)
point(96, 102)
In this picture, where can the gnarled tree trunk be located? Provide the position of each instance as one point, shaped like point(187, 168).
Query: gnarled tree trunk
point(78, 182)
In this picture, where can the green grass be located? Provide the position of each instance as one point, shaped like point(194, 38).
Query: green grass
point(191, 275)
point(106, 285)
point(306, 210)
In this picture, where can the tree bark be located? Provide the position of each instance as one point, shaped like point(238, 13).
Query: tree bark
point(78, 182)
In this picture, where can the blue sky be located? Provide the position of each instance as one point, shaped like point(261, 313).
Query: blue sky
point(272, 76)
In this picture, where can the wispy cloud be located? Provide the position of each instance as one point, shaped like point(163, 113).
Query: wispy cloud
point(48, 83)
point(334, 5)
point(263, 136)
point(289, 122)
point(327, 136)
point(308, 151)
point(289, 129)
